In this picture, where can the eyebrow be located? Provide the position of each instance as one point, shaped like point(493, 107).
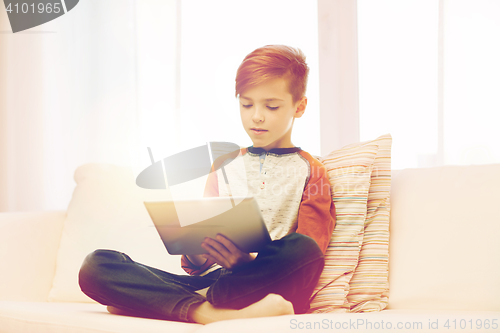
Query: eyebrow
point(267, 99)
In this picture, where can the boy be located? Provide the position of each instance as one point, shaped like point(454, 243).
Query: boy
point(293, 193)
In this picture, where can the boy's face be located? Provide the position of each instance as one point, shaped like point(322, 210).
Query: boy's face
point(267, 113)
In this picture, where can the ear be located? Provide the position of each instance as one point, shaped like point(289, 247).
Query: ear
point(300, 107)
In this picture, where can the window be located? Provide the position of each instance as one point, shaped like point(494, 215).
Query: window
point(398, 77)
point(429, 75)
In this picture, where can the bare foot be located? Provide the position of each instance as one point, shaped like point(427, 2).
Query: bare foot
point(271, 305)
point(116, 311)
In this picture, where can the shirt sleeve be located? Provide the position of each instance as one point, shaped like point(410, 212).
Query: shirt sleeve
point(316, 216)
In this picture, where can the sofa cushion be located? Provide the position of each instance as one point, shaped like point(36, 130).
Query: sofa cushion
point(106, 211)
point(29, 242)
point(445, 248)
point(425, 321)
point(78, 318)
point(90, 318)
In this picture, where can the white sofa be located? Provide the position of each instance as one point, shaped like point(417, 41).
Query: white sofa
point(444, 267)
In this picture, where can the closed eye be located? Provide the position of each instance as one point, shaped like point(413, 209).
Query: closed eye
point(272, 108)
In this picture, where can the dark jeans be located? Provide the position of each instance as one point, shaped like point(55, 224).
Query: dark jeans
point(290, 267)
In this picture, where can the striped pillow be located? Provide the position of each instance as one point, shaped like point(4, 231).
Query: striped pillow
point(349, 170)
point(369, 285)
point(359, 181)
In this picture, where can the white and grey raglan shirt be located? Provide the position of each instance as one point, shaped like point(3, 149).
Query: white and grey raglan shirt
point(290, 186)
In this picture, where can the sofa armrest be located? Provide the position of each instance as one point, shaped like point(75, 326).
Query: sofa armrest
point(29, 242)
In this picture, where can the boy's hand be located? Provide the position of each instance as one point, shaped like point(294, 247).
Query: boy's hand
point(224, 252)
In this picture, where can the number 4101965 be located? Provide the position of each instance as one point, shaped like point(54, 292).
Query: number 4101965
point(40, 8)
point(477, 324)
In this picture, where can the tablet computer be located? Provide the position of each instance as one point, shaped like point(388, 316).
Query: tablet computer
point(184, 224)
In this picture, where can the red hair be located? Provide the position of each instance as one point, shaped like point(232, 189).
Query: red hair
point(272, 62)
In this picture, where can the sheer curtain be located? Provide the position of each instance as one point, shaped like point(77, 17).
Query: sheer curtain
point(72, 92)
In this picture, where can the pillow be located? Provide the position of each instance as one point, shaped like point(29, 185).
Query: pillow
point(360, 178)
point(369, 285)
point(349, 171)
point(107, 211)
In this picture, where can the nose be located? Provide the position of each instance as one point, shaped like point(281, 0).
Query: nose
point(258, 115)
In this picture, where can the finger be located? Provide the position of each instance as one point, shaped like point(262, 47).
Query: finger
point(215, 255)
point(228, 244)
point(211, 251)
point(213, 259)
point(211, 255)
point(219, 247)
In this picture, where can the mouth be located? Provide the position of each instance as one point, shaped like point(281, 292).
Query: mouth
point(258, 130)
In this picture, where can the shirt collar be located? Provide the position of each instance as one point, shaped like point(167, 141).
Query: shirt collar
point(276, 151)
